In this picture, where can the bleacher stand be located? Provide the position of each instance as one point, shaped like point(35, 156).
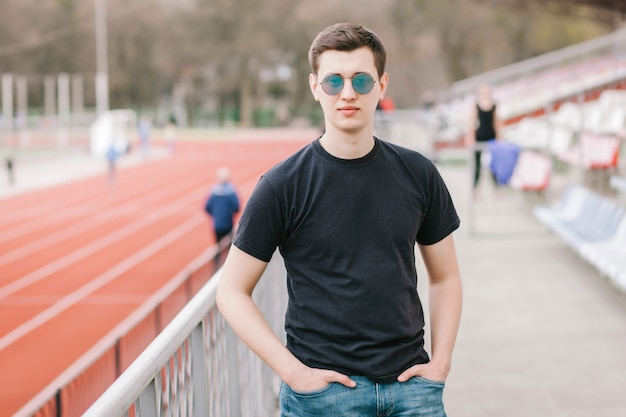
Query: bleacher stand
point(594, 227)
point(588, 136)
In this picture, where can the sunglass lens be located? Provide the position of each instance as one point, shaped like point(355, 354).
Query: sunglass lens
point(362, 83)
point(332, 85)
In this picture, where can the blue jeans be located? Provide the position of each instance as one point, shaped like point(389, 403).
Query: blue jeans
point(417, 397)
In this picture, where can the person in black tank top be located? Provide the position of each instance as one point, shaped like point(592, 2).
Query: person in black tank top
point(484, 125)
point(486, 130)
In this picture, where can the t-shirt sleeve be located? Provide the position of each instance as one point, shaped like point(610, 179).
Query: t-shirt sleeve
point(261, 226)
point(440, 218)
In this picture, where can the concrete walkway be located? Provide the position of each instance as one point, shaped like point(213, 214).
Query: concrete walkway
point(542, 333)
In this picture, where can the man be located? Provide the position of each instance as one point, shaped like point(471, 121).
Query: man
point(346, 212)
point(145, 127)
point(112, 156)
point(222, 205)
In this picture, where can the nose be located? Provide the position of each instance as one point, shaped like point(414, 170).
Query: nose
point(347, 92)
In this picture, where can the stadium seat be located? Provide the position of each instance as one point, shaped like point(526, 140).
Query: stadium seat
point(567, 209)
point(618, 183)
point(607, 255)
point(598, 222)
point(593, 151)
point(532, 172)
point(594, 227)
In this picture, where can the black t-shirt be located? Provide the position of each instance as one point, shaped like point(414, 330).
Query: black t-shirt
point(346, 230)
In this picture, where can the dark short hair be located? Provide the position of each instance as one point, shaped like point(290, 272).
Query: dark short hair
point(347, 37)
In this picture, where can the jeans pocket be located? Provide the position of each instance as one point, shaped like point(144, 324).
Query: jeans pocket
point(421, 397)
point(328, 401)
point(429, 381)
point(309, 393)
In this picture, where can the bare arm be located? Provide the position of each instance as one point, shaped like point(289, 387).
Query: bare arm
point(470, 128)
point(497, 125)
point(445, 299)
point(240, 274)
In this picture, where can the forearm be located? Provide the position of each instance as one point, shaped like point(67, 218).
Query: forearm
point(470, 139)
point(239, 276)
point(470, 129)
point(445, 315)
point(248, 323)
point(497, 125)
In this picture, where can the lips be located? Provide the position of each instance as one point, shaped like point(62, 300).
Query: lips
point(348, 110)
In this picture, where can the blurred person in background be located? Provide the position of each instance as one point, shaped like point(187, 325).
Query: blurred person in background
point(346, 212)
point(145, 128)
point(483, 126)
point(222, 205)
point(169, 133)
point(7, 156)
point(112, 156)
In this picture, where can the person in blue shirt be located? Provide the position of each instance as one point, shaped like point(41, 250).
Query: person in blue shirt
point(112, 156)
point(144, 128)
point(222, 205)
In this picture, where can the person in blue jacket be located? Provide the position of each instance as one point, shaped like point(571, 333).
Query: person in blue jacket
point(222, 205)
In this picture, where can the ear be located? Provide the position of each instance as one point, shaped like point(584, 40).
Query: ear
point(384, 82)
point(313, 85)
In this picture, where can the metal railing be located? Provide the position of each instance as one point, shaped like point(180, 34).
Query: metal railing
point(612, 43)
point(538, 85)
point(86, 371)
point(413, 129)
point(198, 367)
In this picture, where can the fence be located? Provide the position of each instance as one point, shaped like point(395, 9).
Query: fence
point(414, 129)
point(198, 367)
point(72, 392)
point(611, 44)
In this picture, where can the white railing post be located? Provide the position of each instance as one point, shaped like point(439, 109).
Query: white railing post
point(232, 367)
point(147, 402)
point(199, 371)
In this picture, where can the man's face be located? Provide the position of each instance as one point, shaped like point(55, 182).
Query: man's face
point(348, 110)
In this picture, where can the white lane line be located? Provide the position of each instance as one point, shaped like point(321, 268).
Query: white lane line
point(95, 246)
point(63, 202)
point(77, 228)
point(47, 299)
point(101, 280)
point(62, 214)
point(49, 240)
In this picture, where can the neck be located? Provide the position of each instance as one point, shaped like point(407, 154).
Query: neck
point(485, 102)
point(347, 145)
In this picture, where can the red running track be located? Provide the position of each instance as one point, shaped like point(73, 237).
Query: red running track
point(77, 259)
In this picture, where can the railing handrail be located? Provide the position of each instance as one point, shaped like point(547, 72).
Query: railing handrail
point(123, 392)
point(109, 341)
point(198, 365)
point(546, 60)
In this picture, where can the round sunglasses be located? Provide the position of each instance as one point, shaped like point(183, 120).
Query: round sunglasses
point(361, 83)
